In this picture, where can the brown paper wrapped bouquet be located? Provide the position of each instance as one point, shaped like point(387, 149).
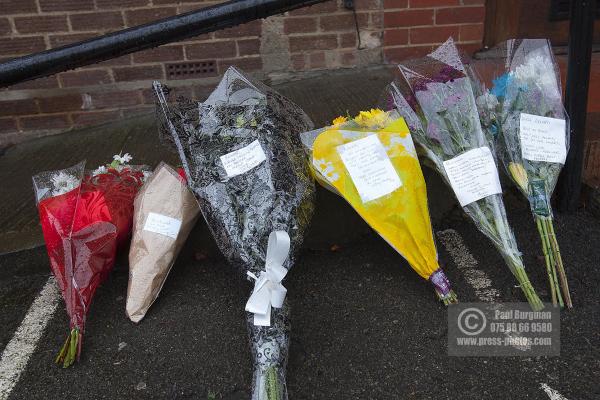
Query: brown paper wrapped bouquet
point(165, 213)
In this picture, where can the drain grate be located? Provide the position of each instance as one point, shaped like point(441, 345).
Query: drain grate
point(191, 70)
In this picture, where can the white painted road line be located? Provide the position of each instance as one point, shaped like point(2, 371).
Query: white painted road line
point(553, 394)
point(22, 345)
point(467, 264)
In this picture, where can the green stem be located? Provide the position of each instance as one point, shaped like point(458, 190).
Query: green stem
point(528, 290)
point(549, 265)
point(69, 351)
point(451, 298)
point(553, 261)
point(561, 269)
point(272, 384)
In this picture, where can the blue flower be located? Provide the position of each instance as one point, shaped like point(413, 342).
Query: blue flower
point(500, 84)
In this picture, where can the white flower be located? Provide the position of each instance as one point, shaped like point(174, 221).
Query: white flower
point(63, 183)
point(126, 158)
point(487, 101)
point(100, 170)
point(123, 159)
point(538, 70)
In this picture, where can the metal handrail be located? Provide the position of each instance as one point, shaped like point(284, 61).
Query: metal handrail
point(143, 37)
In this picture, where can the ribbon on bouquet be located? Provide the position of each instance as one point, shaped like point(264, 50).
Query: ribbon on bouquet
point(268, 291)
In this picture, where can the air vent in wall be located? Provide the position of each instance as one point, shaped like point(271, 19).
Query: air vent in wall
point(187, 70)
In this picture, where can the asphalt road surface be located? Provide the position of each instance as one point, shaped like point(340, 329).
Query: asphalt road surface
point(364, 325)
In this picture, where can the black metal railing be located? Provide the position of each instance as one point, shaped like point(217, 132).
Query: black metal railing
point(143, 37)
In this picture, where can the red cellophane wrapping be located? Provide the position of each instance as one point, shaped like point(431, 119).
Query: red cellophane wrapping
point(85, 218)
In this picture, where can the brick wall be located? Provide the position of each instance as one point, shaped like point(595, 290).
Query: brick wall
point(313, 38)
point(412, 28)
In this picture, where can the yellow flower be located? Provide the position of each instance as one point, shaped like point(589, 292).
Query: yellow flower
point(519, 175)
point(374, 118)
point(339, 121)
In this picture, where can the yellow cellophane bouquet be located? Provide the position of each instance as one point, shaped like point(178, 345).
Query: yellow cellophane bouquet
point(401, 216)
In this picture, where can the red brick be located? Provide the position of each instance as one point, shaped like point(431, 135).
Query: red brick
point(115, 99)
point(367, 4)
point(395, 37)
point(63, 40)
point(347, 40)
point(247, 47)
point(66, 5)
point(18, 6)
point(178, 2)
point(321, 8)
point(84, 78)
point(10, 108)
point(186, 8)
point(348, 59)
point(432, 3)
point(204, 51)
point(144, 16)
point(121, 3)
point(5, 27)
point(162, 53)
point(434, 34)
point(298, 62)
point(149, 96)
point(49, 82)
point(317, 60)
point(246, 64)
point(97, 21)
point(250, 29)
point(472, 2)
point(471, 32)
point(40, 24)
point(44, 122)
point(139, 73)
point(299, 25)
point(342, 22)
point(119, 61)
point(469, 48)
point(58, 104)
point(405, 18)
point(21, 45)
point(313, 42)
point(8, 125)
point(459, 15)
point(395, 54)
point(90, 118)
point(391, 4)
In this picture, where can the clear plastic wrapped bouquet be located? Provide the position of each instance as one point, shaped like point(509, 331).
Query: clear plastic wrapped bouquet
point(244, 161)
point(86, 216)
point(524, 111)
point(435, 96)
point(371, 162)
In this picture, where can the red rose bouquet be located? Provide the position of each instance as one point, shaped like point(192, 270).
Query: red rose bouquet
point(86, 216)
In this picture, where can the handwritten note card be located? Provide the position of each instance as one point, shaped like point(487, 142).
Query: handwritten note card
point(163, 225)
point(243, 160)
point(369, 167)
point(543, 138)
point(473, 175)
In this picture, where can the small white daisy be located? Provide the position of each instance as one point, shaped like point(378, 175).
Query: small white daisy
point(63, 183)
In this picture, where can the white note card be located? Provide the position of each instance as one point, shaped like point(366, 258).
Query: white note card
point(543, 138)
point(473, 175)
point(243, 160)
point(369, 167)
point(163, 225)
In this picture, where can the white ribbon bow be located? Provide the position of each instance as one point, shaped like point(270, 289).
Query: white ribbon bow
point(268, 290)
